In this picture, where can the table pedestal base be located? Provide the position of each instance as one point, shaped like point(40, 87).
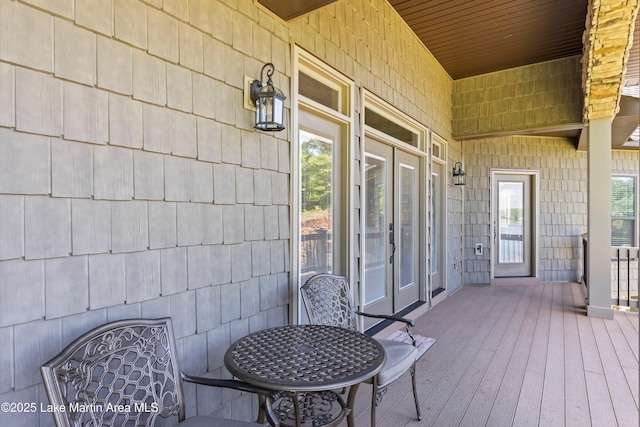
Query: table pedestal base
point(310, 409)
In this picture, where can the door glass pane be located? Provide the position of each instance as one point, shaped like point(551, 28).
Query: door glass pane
point(316, 204)
point(435, 222)
point(375, 244)
point(511, 222)
point(408, 221)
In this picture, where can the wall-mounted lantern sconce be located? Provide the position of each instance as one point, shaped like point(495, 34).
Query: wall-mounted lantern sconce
point(269, 102)
point(459, 177)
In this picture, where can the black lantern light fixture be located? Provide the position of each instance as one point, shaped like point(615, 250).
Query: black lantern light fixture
point(459, 177)
point(269, 102)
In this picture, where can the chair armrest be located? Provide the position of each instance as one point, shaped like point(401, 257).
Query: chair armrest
point(408, 322)
point(266, 397)
point(234, 384)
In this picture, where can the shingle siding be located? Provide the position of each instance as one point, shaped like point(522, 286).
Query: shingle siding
point(562, 200)
point(11, 227)
point(534, 96)
point(85, 114)
point(26, 36)
point(38, 103)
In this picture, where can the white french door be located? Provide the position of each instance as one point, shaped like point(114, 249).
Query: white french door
point(392, 228)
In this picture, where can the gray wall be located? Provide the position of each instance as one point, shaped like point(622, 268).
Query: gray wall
point(132, 183)
point(562, 200)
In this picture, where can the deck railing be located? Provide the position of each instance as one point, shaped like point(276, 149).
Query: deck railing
point(624, 274)
point(315, 250)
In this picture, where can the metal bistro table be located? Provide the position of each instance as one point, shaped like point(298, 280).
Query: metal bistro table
point(306, 362)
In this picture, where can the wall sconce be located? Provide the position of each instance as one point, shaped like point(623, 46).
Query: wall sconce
point(269, 102)
point(459, 177)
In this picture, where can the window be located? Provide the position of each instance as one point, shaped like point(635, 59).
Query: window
point(623, 210)
point(389, 127)
point(319, 84)
point(318, 91)
point(321, 205)
point(438, 148)
point(317, 181)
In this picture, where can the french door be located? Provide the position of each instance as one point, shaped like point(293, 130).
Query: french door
point(513, 225)
point(392, 228)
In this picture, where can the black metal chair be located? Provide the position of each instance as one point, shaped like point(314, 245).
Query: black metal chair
point(126, 373)
point(327, 299)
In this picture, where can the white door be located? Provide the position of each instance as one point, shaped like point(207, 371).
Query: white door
point(391, 228)
point(513, 221)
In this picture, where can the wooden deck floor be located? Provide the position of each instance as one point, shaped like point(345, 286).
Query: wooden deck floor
point(518, 356)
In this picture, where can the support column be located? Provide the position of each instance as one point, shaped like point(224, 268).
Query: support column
point(599, 219)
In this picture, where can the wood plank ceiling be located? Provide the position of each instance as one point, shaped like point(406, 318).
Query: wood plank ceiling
point(471, 37)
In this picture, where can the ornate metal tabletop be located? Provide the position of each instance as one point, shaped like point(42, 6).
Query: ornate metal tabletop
point(305, 361)
point(305, 358)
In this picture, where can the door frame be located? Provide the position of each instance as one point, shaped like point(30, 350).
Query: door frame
point(535, 211)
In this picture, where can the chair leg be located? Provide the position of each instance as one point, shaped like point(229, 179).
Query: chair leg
point(350, 401)
point(374, 400)
point(262, 417)
point(415, 391)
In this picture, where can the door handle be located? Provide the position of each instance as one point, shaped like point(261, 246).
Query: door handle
point(392, 243)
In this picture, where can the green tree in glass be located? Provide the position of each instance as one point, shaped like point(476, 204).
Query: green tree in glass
point(316, 159)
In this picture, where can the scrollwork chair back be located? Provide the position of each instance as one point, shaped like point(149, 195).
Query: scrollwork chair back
point(328, 302)
point(122, 374)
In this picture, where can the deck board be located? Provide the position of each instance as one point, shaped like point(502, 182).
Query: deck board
point(530, 401)
point(512, 355)
point(576, 400)
point(479, 408)
point(552, 412)
point(619, 391)
point(464, 391)
point(630, 331)
point(464, 338)
point(626, 356)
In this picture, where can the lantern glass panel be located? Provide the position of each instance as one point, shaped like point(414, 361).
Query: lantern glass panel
point(278, 109)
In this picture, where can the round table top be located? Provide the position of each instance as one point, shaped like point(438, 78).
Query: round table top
point(305, 358)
